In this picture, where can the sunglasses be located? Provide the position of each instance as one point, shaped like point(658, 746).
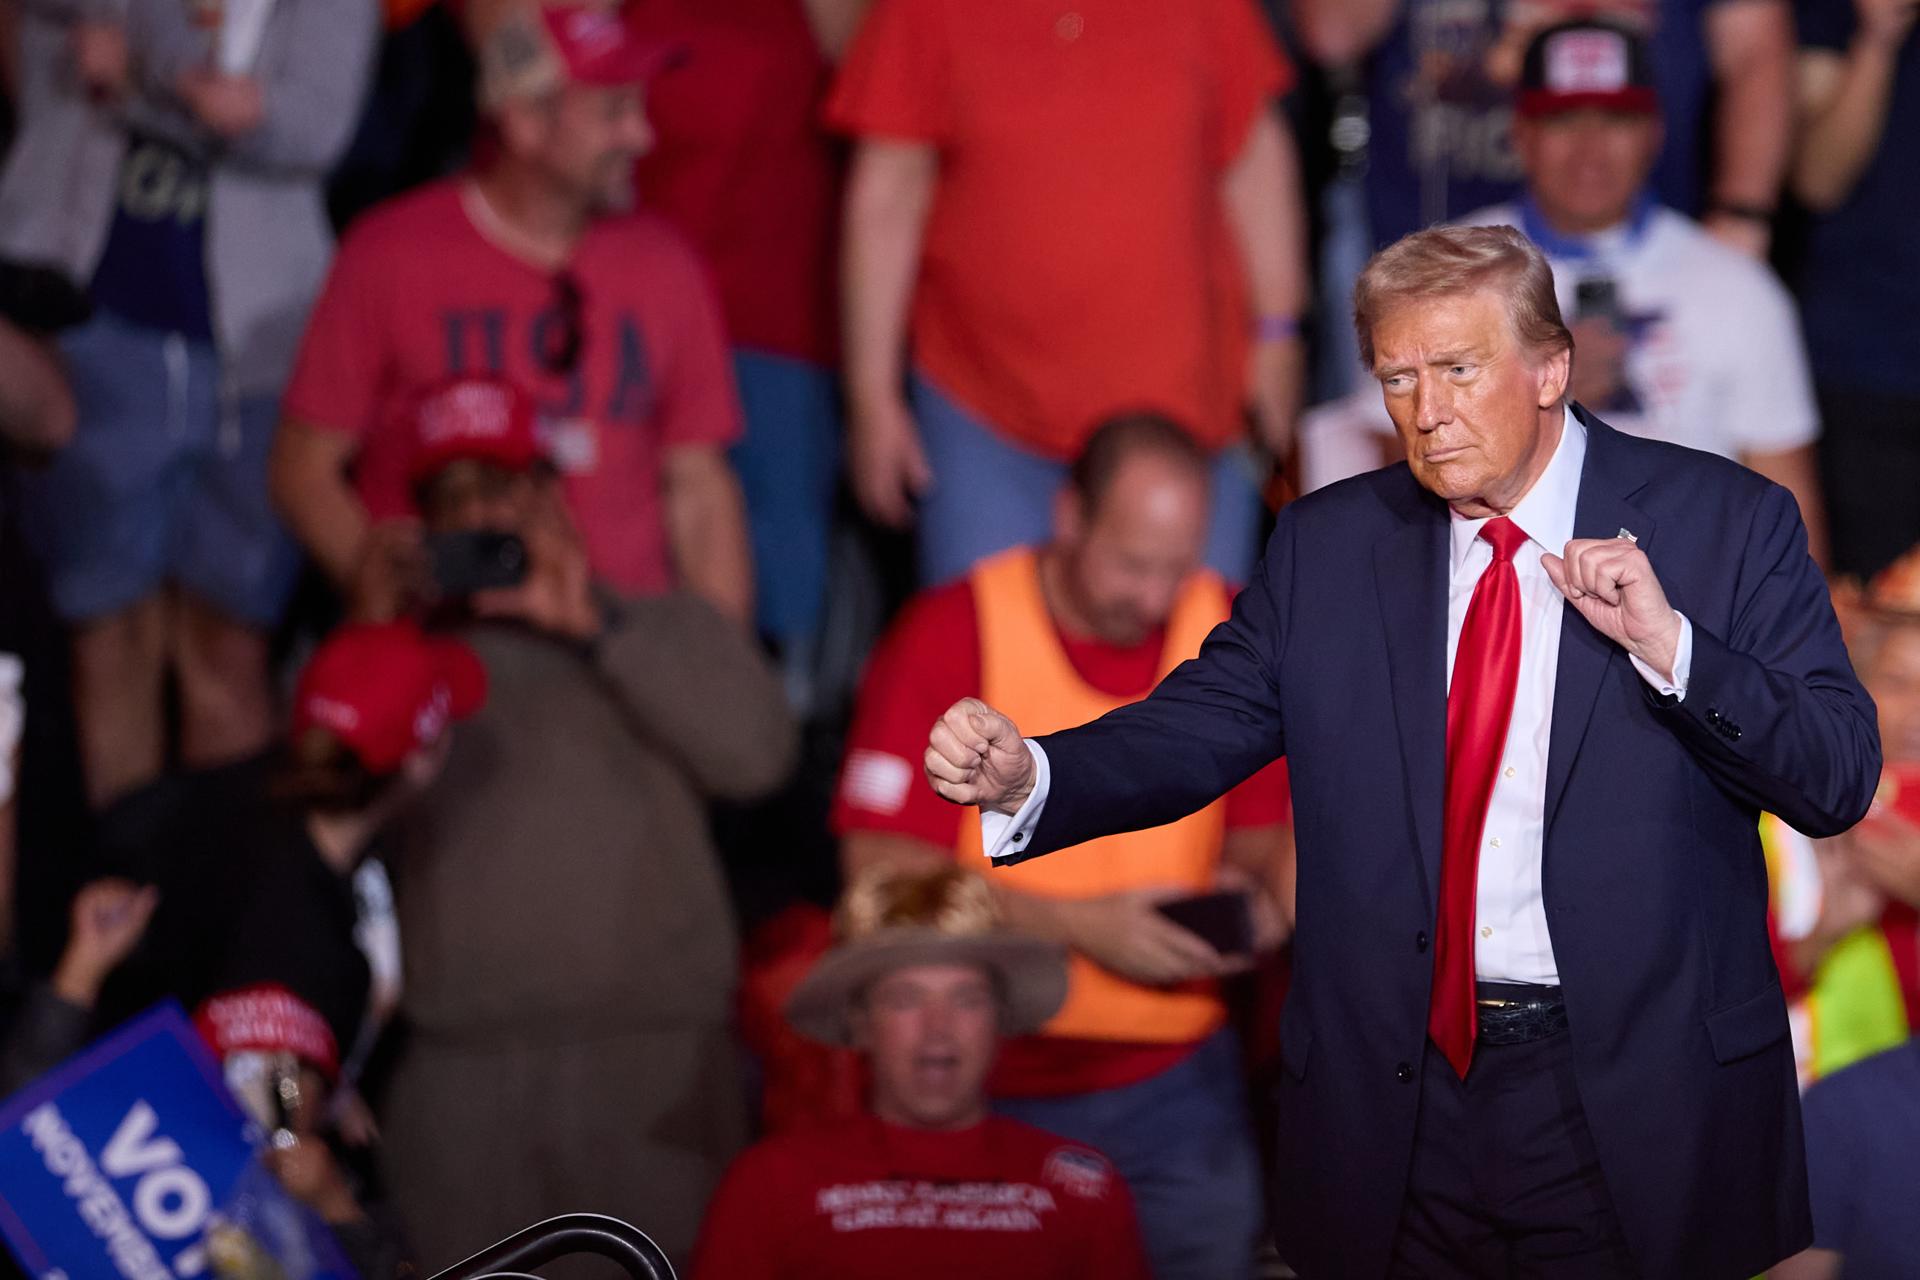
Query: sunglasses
point(561, 344)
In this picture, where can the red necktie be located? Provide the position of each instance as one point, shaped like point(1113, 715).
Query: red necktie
point(1486, 667)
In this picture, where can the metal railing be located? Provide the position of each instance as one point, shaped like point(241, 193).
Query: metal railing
point(561, 1237)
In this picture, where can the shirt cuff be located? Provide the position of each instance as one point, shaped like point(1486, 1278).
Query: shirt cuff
point(1682, 664)
point(1003, 836)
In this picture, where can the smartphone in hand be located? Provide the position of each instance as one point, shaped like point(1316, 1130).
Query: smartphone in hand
point(476, 560)
point(1223, 918)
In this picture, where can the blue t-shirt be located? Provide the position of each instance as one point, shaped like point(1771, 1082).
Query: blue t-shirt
point(1863, 1164)
point(1860, 284)
point(1440, 145)
point(153, 271)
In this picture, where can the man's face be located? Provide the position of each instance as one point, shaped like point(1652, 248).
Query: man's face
point(1475, 411)
point(585, 139)
point(930, 1033)
point(469, 496)
point(1126, 558)
point(1585, 167)
point(1894, 682)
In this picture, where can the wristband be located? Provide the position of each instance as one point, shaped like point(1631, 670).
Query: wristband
point(1276, 328)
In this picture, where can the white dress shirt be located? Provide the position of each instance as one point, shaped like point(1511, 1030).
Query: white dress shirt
point(1511, 943)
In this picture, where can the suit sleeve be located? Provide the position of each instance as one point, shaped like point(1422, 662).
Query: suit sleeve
point(1773, 709)
point(1211, 723)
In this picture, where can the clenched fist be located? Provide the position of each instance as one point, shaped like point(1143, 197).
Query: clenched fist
point(975, 755)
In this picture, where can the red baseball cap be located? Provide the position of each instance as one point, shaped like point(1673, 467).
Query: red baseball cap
point(268, 1018)
point(387, 690)
point(478, 417)
point(530, 48)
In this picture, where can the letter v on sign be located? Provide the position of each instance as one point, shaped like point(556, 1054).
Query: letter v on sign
point(133, 1149)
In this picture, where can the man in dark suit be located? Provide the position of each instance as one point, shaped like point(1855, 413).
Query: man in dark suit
point(1534, 685)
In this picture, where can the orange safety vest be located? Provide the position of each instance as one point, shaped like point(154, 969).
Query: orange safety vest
point(1025, 673)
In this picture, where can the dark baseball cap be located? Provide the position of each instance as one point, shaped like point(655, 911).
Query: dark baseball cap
point(1588, 63)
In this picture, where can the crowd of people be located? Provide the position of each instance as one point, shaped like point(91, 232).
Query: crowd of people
point(489, 483)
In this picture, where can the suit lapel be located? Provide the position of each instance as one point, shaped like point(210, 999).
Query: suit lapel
point(1601, 512)
point(1410, 577)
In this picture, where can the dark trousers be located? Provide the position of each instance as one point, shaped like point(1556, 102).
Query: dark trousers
point(1505, 1184)
point(1870, 466)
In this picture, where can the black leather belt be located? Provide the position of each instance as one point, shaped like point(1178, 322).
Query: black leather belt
point(1515, 1013)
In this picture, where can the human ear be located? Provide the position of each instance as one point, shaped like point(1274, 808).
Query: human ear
point(1555, 372)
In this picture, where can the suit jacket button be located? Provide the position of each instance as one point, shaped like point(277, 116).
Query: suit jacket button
point(1713, 716)
point(1404, 1072)
point(1420, 940)
point(1733, 732)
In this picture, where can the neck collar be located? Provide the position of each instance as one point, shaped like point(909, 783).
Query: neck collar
point(1576, 248)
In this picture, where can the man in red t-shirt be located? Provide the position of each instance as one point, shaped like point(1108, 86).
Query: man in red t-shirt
point(1076, 210)
point(529, 268)
point(928, 1184)
point(1138, 1063)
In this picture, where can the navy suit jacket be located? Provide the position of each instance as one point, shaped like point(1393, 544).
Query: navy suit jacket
point(1654, 884)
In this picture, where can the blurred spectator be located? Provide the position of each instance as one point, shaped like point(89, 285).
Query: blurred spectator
point(929, 1184)
point(1137, 1063)
point(1860, 283)
point(1076, 213)
point(1676, 336)
point(1440, 80)
point(1846, 911)
point(569, 951)
point(175, 167)
point(41, 794)
point(52, 1020)
point(279, 1057)
point(1863, 1162)
point(257, 923)
point(528, 267)
point(744, 169)
point(255, 860)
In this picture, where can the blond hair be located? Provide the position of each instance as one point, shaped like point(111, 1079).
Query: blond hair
point(1446, 262)
point(951, 900)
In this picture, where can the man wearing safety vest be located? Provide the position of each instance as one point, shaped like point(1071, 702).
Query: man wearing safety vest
point(1846, 912)
point(1137, 1062)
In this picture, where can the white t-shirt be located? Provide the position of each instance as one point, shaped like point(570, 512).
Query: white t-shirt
point(1713, 361)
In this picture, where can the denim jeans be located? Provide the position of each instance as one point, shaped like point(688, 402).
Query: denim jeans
point(1184, 1143)
point(165, 482)
point(990, 494)
point(789, 468)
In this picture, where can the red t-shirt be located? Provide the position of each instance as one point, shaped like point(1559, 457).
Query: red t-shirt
point(742, 166)
point(999, 1201)
point(417, 294)
point(1076, 259)
point(928, 660)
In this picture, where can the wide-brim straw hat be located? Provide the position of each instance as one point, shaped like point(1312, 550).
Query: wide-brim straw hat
point(1030, 973)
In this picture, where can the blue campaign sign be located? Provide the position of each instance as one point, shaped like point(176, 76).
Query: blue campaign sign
point(133, 1162)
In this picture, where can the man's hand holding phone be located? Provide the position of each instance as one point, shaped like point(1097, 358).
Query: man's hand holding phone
point(1128, 933)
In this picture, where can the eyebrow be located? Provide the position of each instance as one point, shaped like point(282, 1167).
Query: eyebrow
point(1439, 360)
